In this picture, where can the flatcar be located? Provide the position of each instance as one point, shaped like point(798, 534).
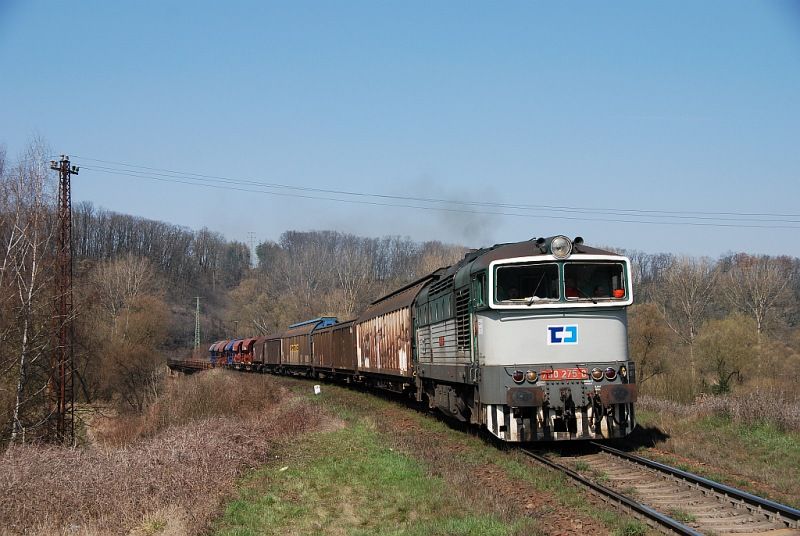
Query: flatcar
point(525, 339)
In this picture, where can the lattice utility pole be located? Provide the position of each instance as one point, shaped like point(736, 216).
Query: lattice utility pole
point(197, 323)
point(62, 427)
point(252, 237)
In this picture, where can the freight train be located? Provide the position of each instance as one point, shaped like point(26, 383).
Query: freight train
point(525, 339)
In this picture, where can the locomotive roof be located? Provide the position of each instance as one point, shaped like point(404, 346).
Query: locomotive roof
point(479, 259)
point(473, 261)
point(528, 248)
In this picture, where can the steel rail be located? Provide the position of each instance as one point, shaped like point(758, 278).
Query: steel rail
point(785, 514)
point(652, 517)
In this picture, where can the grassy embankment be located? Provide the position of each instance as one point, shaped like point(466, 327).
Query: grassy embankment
point(210, 453)
point(248, 454)
point(716, 439)
point(391, 470)
point(348, 481)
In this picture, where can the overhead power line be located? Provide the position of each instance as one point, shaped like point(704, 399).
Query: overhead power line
point(656, 217)
point(437, 200)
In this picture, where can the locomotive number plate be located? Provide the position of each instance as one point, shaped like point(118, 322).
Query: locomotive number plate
point(564, 374)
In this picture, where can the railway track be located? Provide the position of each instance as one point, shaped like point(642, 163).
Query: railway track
point(671, 500)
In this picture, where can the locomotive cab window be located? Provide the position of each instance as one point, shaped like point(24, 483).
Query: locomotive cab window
point(594, 281)
point(525, 283)
point(478, 290)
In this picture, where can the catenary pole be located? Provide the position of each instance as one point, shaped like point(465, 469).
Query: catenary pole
point(62, 427)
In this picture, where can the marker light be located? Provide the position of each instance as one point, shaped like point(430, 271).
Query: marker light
point(532, 376)
point(560, 247)
point(619, 293)
point(518, 376)
point(611, 374)
point(597, 374)
point(623, 372)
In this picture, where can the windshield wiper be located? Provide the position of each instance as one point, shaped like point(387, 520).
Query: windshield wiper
point(535, 297)
point(585, 295)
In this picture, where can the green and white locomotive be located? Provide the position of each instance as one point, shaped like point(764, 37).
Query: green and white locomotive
point(529, 339)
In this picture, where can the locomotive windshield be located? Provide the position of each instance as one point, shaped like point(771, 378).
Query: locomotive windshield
point(519, 283)
point(594, 281)
point(528, 284)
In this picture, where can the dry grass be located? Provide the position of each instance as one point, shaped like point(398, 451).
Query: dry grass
point(757, 407)
point(751, 441)
point(195, 441)
point(186, 399)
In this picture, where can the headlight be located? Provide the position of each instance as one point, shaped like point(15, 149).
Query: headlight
point(560, 247)
point(518, 376)
point(532, 376)
point(611, 374)
point(597, 374)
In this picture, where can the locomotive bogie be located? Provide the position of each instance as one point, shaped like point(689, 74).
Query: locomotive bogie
point(541, 423)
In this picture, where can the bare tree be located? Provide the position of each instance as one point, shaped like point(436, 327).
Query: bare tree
point(754, 285)
point(352, 265)
point(684, 296)
point(26, 261)
point(435, 255)
point(119, 282)
point(256, 303)
point(646, 271)
point(305, 269)
point(129, 322)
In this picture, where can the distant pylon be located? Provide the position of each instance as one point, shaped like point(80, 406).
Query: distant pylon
point(252, 237)
point(197, 323)
point(62, 426)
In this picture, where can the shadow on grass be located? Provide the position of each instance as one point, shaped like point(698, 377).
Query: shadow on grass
point(645, 436)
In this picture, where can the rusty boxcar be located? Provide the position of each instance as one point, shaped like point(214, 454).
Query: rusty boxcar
point(297, 341)
point(259, 353)
point(335, 348)
point(273, 351)
point(384, 335)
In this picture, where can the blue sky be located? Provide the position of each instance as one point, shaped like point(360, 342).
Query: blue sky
point(678, 106)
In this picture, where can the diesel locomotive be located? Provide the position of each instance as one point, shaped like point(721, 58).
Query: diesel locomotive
point(526, 339)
